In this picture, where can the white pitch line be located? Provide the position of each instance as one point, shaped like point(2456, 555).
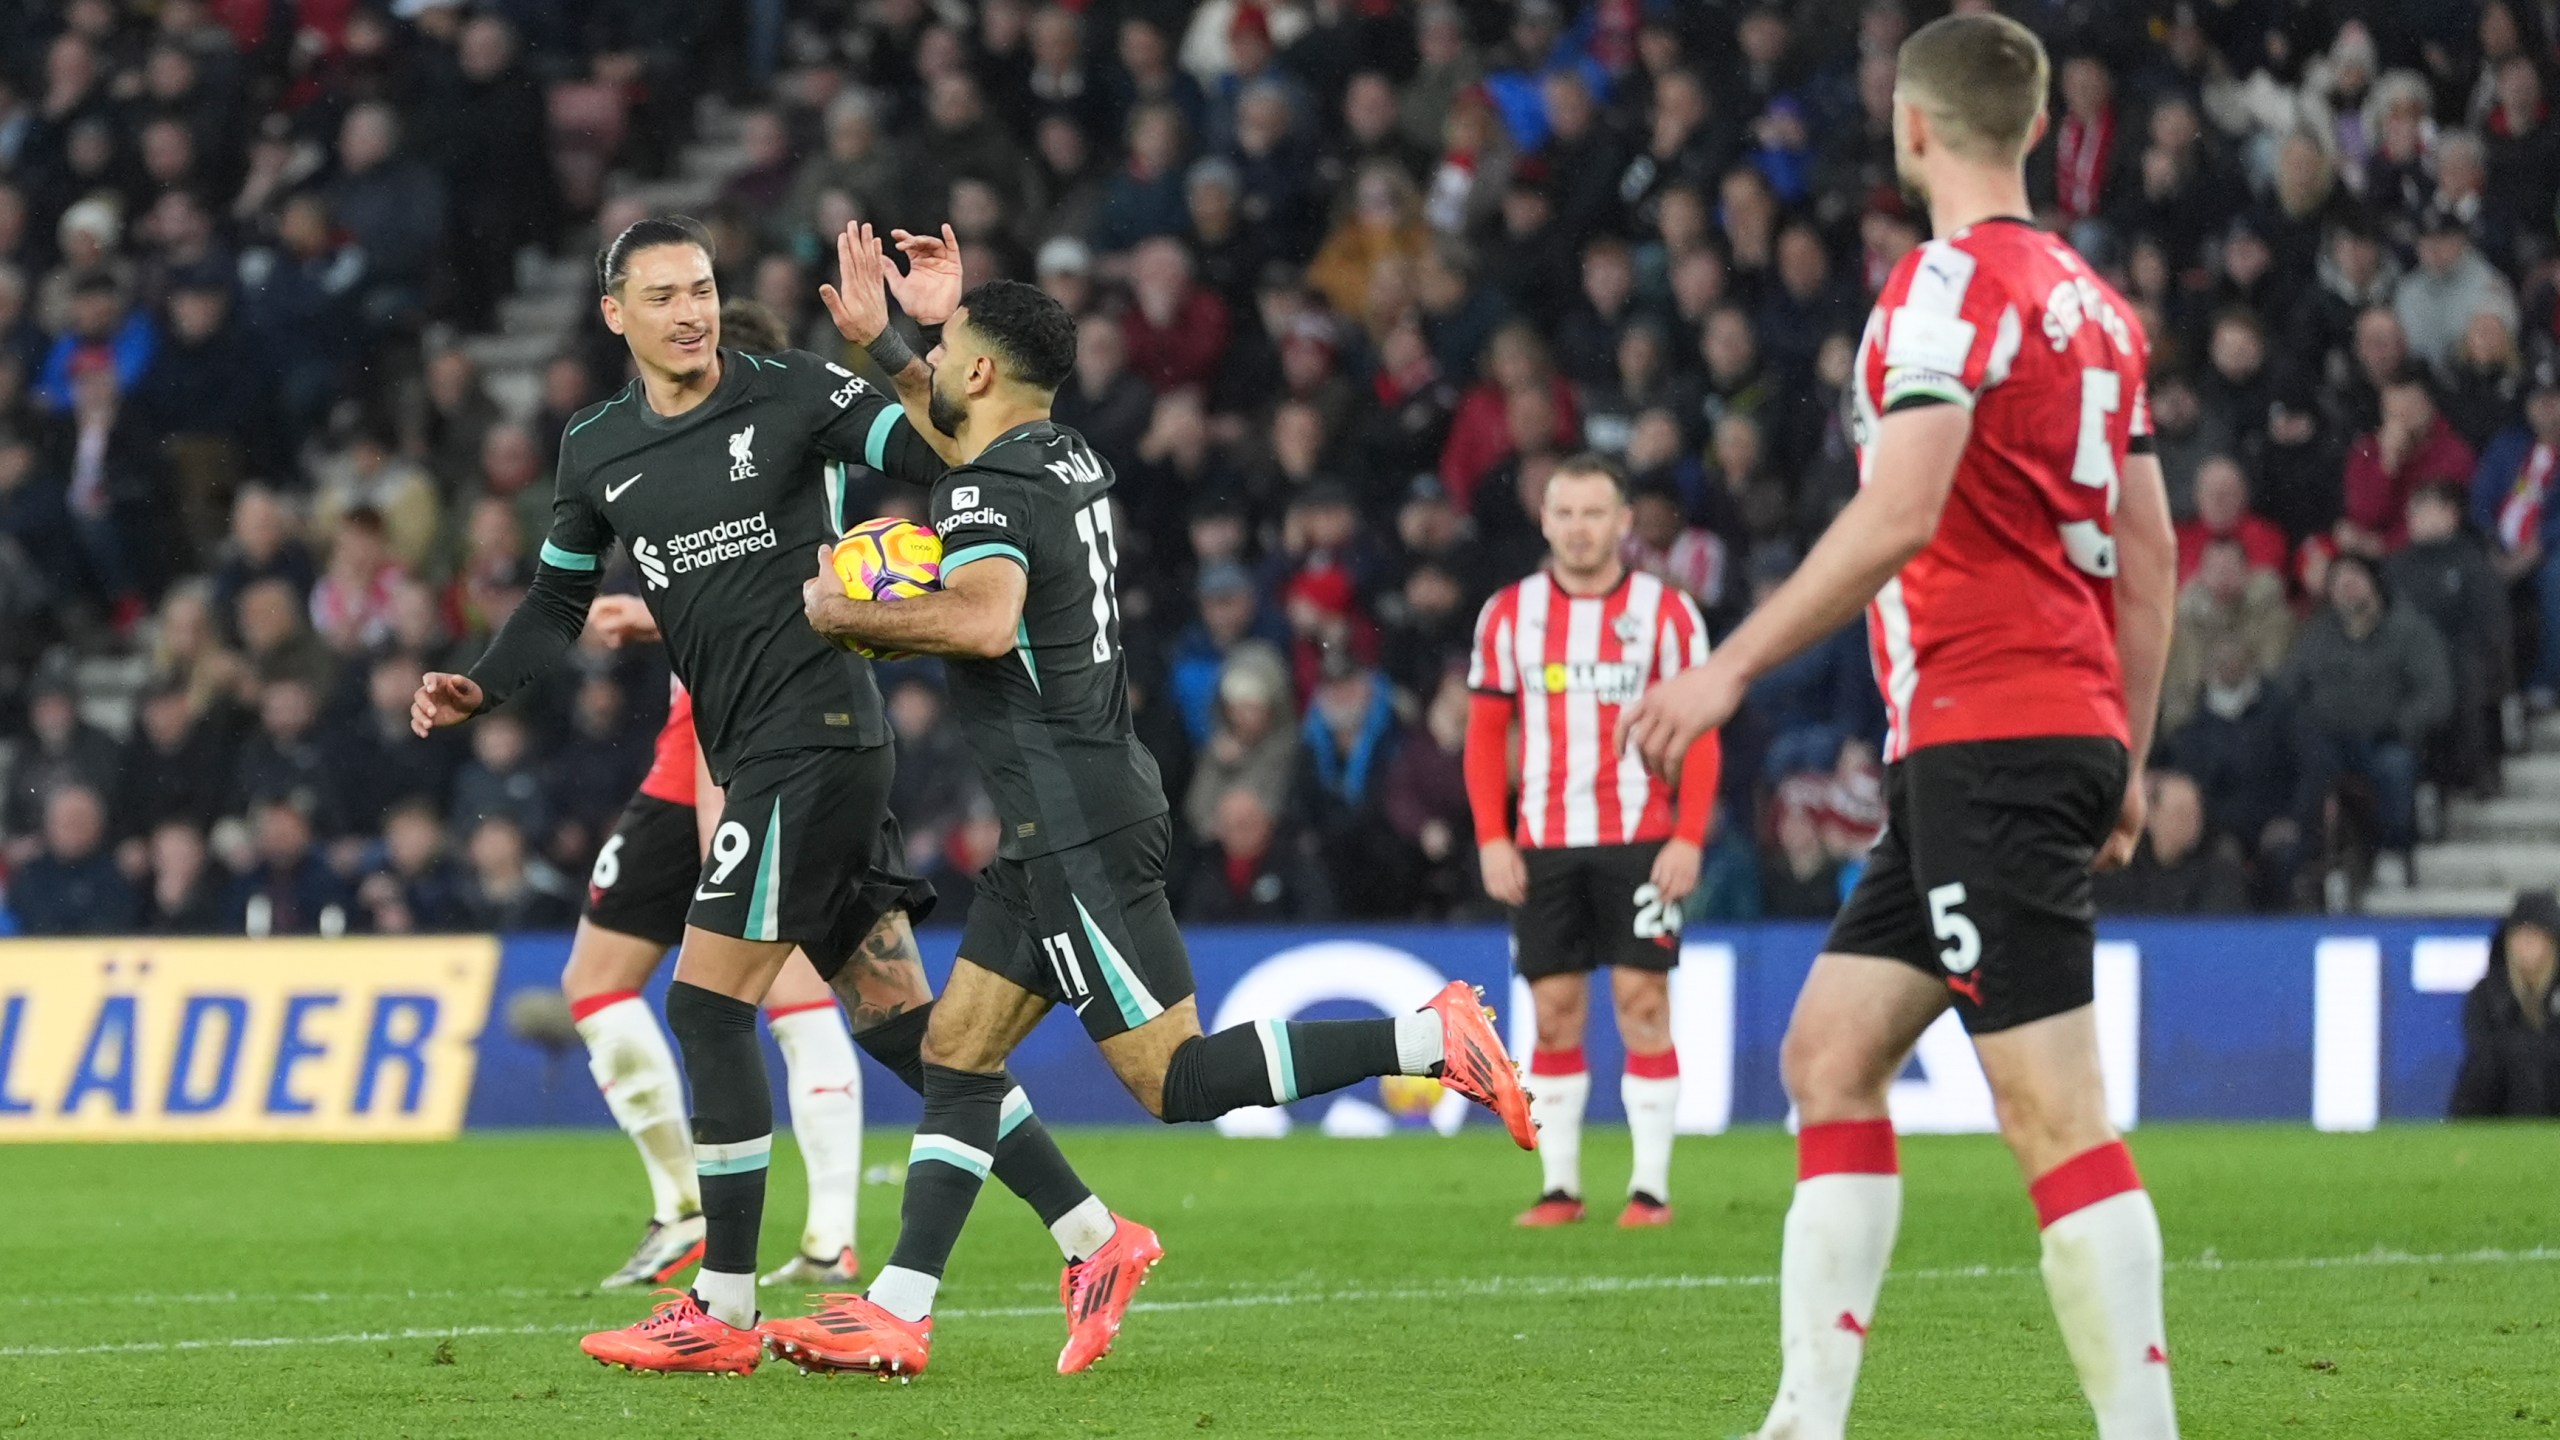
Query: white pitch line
point(1497, 1286)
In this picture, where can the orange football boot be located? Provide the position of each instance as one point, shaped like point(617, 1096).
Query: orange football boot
point(1644, 1211)
point(1098, 1289)
point(678, 1338)
point(1553, 1208)
point(1474, 1064)
point(848, 1332)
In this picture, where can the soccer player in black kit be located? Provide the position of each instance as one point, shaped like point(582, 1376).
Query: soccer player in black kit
point(710, 467)
point(1073, 911)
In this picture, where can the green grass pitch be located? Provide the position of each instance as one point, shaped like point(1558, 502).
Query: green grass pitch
point(2397, 1284)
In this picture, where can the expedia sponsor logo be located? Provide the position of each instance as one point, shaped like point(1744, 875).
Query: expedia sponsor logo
point(984, 515)
point(709, 546)
point(1616, 682)
point(851, 387)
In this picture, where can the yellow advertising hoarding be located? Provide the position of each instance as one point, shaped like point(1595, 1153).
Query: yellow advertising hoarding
point(353, 1039)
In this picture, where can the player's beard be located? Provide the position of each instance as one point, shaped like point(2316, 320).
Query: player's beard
point(947, 414)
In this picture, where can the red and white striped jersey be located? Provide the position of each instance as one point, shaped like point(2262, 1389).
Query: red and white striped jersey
point(2005, 625)
point(1570, 663)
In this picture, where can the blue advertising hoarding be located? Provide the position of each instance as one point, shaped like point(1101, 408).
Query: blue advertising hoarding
point(2338, 1022)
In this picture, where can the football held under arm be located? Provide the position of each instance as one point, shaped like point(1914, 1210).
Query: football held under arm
point(975, 615)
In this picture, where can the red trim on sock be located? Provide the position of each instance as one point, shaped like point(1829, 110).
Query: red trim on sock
point(1660, 1065)
point(776, 1012)
point(1557, 1062)
point(581, 1009)
point(1847, 1147)
point(2098, 1173)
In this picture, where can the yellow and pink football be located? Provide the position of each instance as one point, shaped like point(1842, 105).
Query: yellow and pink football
point(887, 559)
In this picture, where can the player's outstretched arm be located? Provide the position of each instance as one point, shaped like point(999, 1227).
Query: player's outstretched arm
point(535, 637)
point(974, 615)
point(2146, 611)
point(1890, 521)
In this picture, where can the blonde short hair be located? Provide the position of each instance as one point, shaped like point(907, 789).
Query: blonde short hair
point(1983, 79)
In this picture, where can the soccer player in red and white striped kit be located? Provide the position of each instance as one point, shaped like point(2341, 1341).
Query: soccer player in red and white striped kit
point(1604, 855)
point(2011, 539)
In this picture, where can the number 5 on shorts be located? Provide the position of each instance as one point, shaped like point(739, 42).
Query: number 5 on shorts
point(1964, 942)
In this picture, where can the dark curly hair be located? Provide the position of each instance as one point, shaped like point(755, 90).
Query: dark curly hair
point(1031, 334)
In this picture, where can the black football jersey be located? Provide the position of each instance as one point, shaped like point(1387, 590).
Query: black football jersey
point(1050, 721)
point(723, 509)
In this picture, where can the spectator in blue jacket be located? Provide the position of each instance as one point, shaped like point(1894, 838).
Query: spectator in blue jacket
point(2515, 502)
point(1350, 735)
point(98, 326)
point(73, 886)
point(1230, 613)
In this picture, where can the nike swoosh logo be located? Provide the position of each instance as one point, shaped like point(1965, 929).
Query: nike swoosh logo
point(713, 894)
point(1078, 1007)
point(614, 492)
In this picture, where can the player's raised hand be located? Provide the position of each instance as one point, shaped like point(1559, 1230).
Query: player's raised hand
point(859, 300)
point(929, 290)
point(619, 620)
point(1661, 726)
point(443, 700)
point(1506, 875)
point(2117, 853)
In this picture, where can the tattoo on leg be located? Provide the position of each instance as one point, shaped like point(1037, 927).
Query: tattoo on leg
point(884, 977)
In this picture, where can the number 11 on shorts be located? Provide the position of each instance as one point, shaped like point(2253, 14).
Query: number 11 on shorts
point(1063, 963)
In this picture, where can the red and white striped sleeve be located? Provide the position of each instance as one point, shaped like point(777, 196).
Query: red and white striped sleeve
point(1493, 663)
point(1950, 332)
point(1681, 636)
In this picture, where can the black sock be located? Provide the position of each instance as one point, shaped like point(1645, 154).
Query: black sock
point(1028, 1162)
point(947, 1164)
point(1270, 1062)
point(732, 1119)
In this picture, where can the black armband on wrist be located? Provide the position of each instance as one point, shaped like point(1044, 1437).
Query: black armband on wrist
point(890, 349)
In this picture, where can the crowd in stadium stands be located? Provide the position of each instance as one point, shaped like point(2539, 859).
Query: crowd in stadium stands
point(1353, 276)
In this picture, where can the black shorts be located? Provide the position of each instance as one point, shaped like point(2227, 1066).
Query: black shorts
point(1088, 927)
point(1982, 875)
point(1593, 905)
point(642, 882)
point(644, 876)
point(794, 850)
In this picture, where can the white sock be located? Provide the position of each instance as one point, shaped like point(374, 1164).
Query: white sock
point(2102, 1270)
point(1084, 1229)
point(1839, 1238)
point(731, 1299)
point(1419, 1042)
point(907, 1294)
point(825, 1085)
point(1653, 1106)
point(628, 1054)
point(1556, 1102)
